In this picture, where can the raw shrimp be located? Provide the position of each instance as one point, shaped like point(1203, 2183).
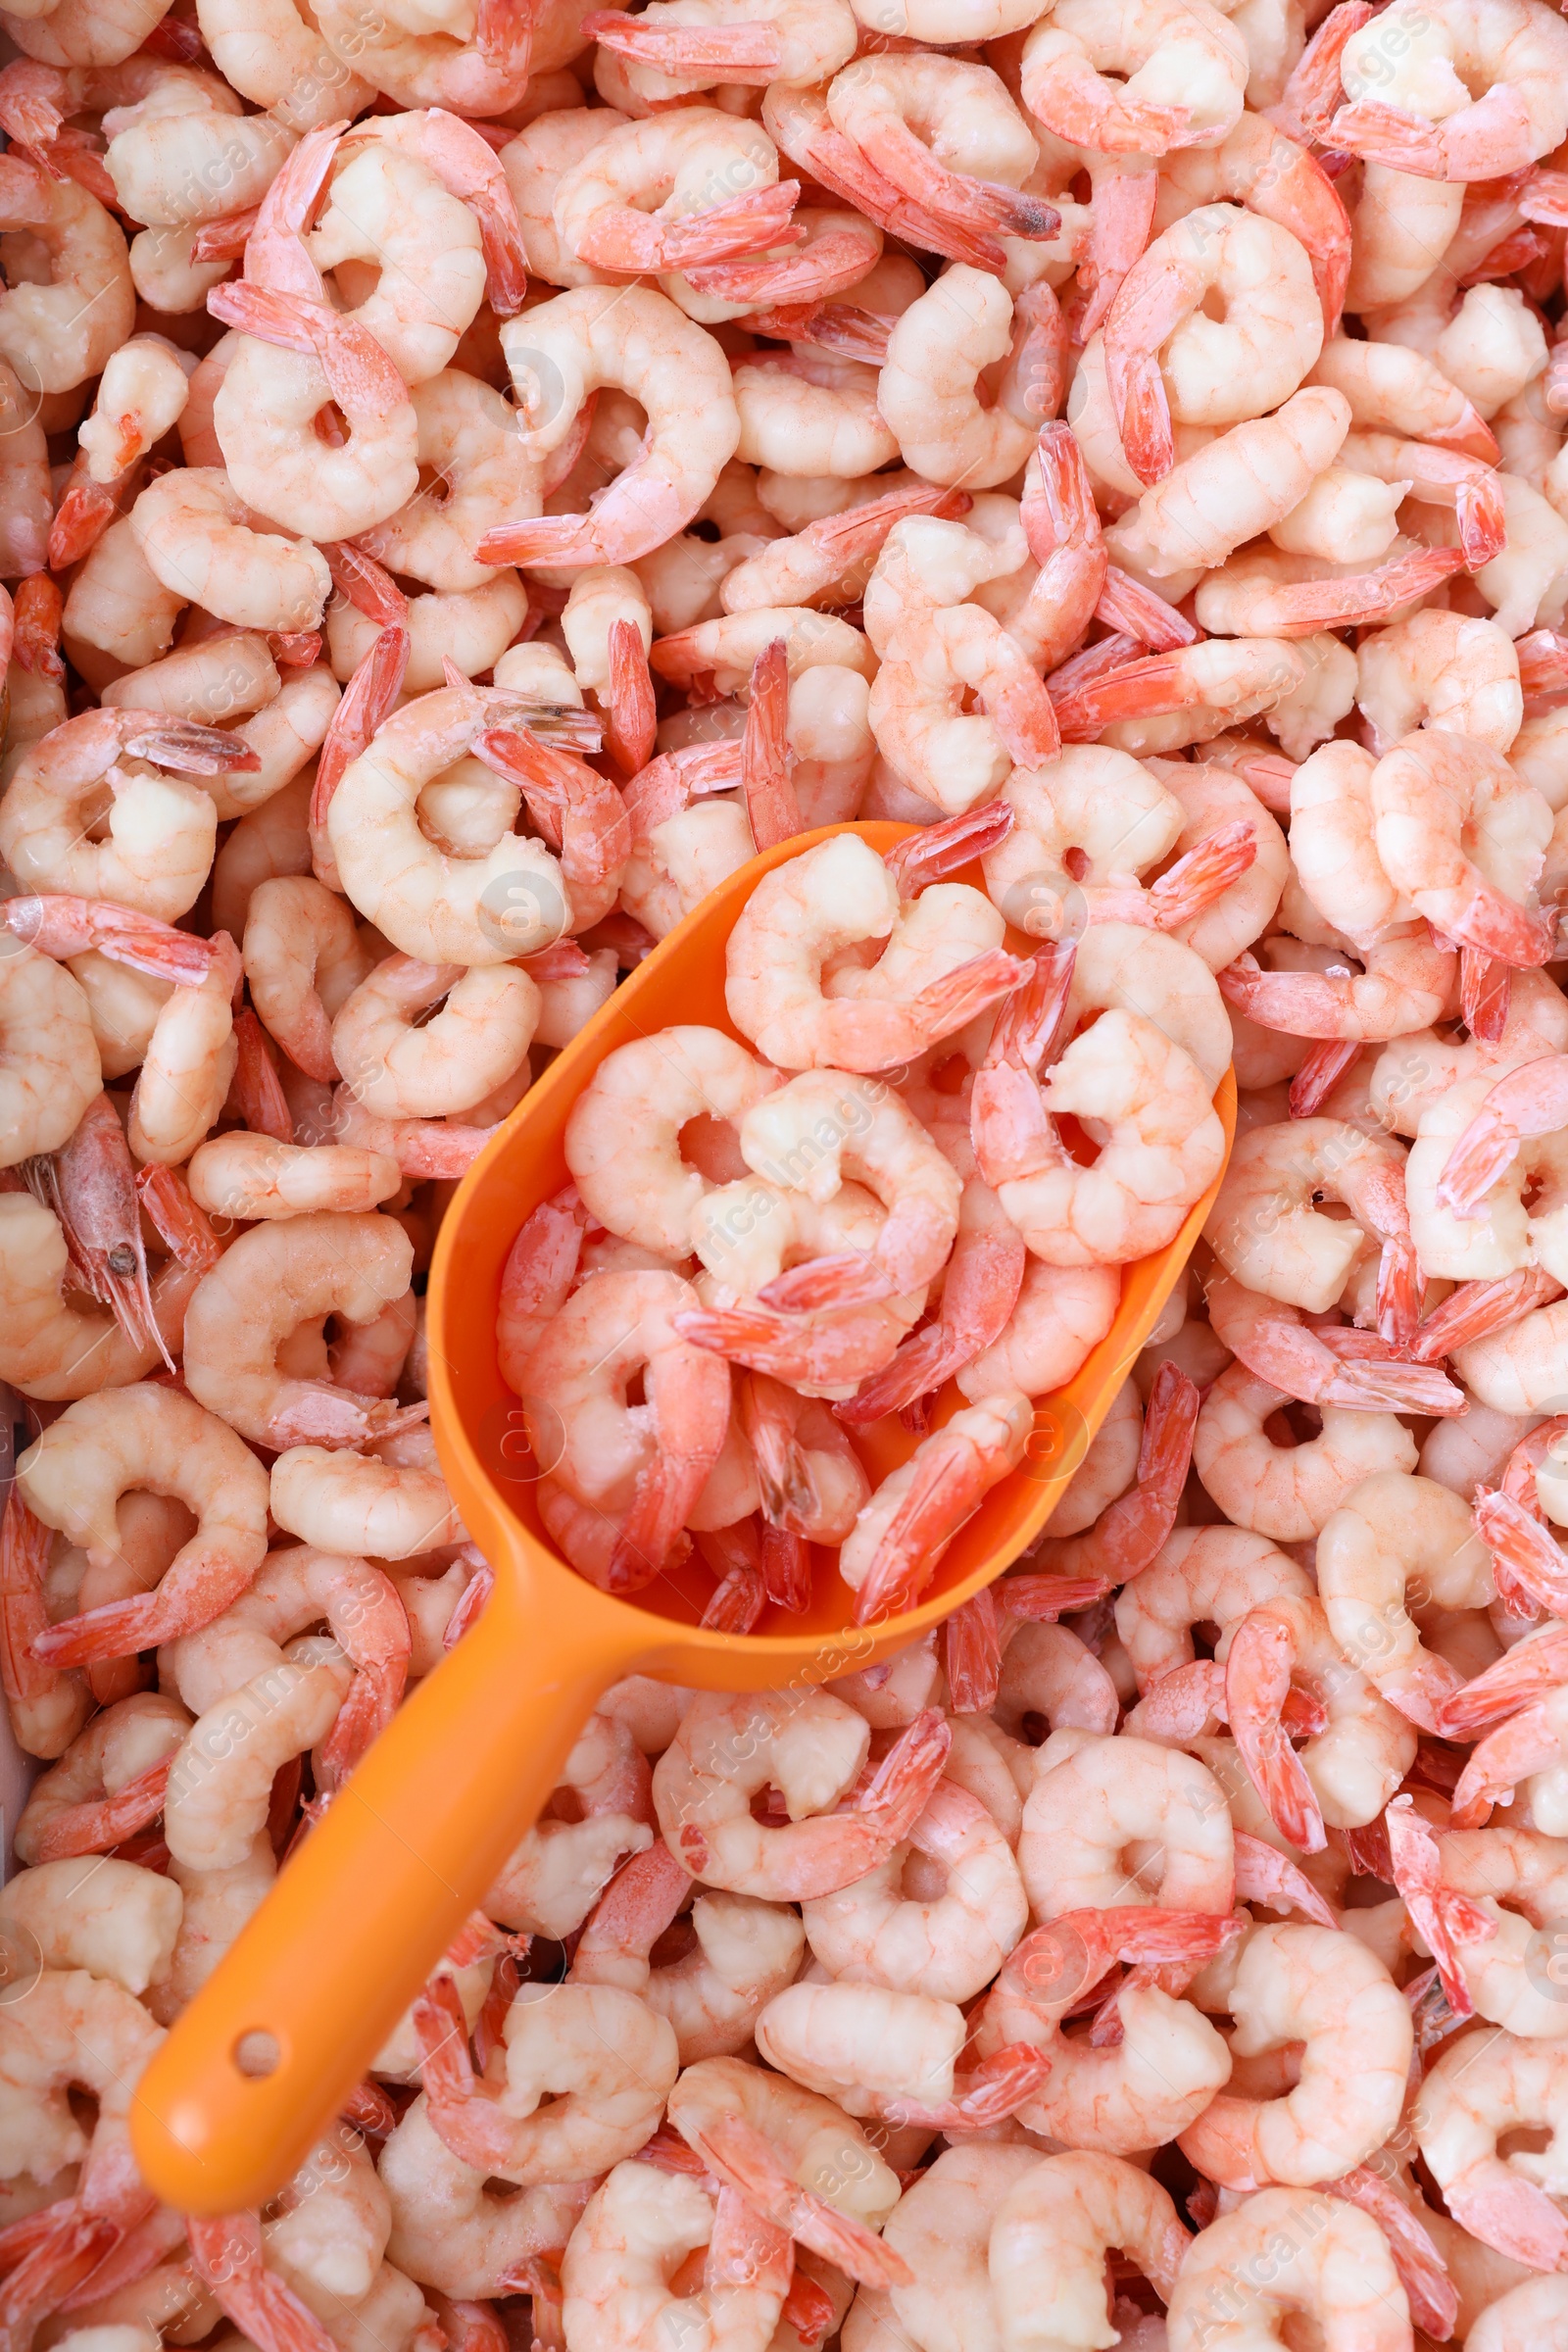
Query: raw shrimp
point(1267, 1233)
point(303, 959)
point(445, 2224)
point(49, 1066)
point(1144, 77)
point(819, 1130)
point(221, 1782)
point(743, 1954)
point(478, 1036)
point(636, 341)
point(268, 1285)
point(296, 1589)
point(133, 767)
point(111, 1918)
point(946, 134)
point(693, 44)
point(1322, 1989)
point(1229, 491)
point(890, 2053)
point(948, 1948)
point(929, 388)
point(1323, 1364)
point(812, 1747)
point(1164, 1145)
point(1051, 2236)
point(1167, 360)
point(634, 2240)
point(154, 1438)
point(294, 360)
point(803, 915)
point(1084, 1813)
point(193, 530)
point(1461, 835)
point(1326, 2265)
point(1402, 988)
point(1391, 388)
point(510, 902)
point(187, 1064)
point(58, 330)
point(1287, 1491)
point(1486, 2087)
point(604, 2061)
point(640, 198)
point(108, 1784)
point(53, 1348)
point(649, 1461)
point(1428, 119)
point(1116, 2096)
point(1199, 1575)
point(798, 2158)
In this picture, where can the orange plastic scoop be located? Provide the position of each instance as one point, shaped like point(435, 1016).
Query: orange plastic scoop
point(267, 2051)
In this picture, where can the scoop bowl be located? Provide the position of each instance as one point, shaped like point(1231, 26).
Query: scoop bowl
point(266, 2054)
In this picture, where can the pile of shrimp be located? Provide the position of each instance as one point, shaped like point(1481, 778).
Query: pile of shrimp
point(1123, 441)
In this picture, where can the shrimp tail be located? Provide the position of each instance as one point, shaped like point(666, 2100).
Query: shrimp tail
point(93, 1828)
point(544, 539)
point(362, 379)
point(1529, 1671)
point(1513, 2216)
point(620, 238)
point(772, 806)
point(1445, 1919)
point(742, 53)
point(1380, 133)
point(1325, 1064)
point(1431, 2296)
point(971, 1653)
point(1479, 916)
point(1264, 1875)
point(1528, 1549)
point(61, 926)
point(1530, 1100)
point(826, 1354)
point(748, 2162)
point(935, 852)
point(1127, 605)
point(180, 1223)
point(895, 1796)
point(1258, 1675)
point(1476, 1308)
point(997, 2088)
point(1527, 1742)
point(1314, 88)
point(366, 702)
point(1204, 874)
point(226, 2250)
point(632, 714)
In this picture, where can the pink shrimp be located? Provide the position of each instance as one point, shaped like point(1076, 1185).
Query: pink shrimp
point(1130, 1531)
point(580, 814)
point(227, 2253)
point(1528, 1102)
point(1444, 1918)
point(632, 716)
point(771, 808)
point(915, 1513)
point(976, 1635)
point(1258, 1681)
point(979, 1291)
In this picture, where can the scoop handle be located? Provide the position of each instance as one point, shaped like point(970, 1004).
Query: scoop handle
point(370, 1901)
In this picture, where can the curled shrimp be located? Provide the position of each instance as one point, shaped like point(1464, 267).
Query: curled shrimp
point(813, 1748)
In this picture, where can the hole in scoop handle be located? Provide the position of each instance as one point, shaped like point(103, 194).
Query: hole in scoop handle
point(368, 1903)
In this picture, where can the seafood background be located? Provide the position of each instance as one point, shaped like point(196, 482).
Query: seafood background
point(475, 474)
